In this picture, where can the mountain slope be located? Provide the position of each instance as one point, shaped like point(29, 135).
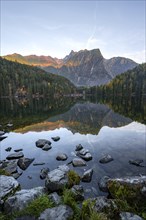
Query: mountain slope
point(33, 60)
point(90, 68)
point(21, 80)
point(83, 68)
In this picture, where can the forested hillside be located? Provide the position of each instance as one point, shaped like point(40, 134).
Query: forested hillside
point(130, 83)
point(23, 80)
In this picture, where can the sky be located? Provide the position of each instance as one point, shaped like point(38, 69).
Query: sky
point(55, 28)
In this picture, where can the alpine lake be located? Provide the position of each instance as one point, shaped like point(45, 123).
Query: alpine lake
point(102, 128)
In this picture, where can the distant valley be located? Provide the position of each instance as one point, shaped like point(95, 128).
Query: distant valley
point(83, 68)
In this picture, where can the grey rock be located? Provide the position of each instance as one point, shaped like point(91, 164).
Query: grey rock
point(129, 216)
point(46, 147)
point(41, 142)
point(133, 185)
point(24, 162)
point(84, 154)
point(17, 174)
point(57, 179)
point(17, 150)
point(106, 159)
point(22, 198)
point(15, 156)
point(87, 176)
point(103, 183)
point(61, 212)
point(78, 162)
point(9, 166)
point(62, 157)
point(8, 149)
point(79, 147)
point(44, 173)
point(78, 192)
point(108, 206)
point(57, 138)
point(136, 162)
point(55, 198)
point(9, 125)
point(8, 185)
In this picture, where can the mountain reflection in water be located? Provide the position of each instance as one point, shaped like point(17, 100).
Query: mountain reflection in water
point(95, 126)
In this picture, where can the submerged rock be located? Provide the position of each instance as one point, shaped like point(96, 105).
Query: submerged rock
point(79, 147)
point(129, 216)
point(61, 212)
point(136, 162)
point(24, 162)
point(17, 150)
point(103, 183)
point(8, 149)
point(44, 173)
point(38, 164)
point(15, 156)
point(57, 179)
point(8, 185)
point(46, 147)
point(87, 176)
point(22, 198)
point(62, 157)
point(17, 174)
point(106, 159)
point(77, 162)
point(41, 142)
point(55, 198)
point(57, 138)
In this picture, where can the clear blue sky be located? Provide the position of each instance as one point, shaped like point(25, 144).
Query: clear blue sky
point(55, 28)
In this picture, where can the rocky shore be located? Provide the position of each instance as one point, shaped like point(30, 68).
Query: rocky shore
point(62, 197)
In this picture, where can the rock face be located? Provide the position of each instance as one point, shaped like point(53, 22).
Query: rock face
point(7, 185)
point(106, 159)
point(15, 156)
point(87, 176)
point(22, 198)
point(41, 143)
point(24, 162)
point(129, 189)
point(89, 68)
point(61, 212)
point(77, 162)
point(57, 179)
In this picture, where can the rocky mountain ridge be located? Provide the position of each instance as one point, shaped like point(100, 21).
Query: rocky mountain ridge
point(83, 68)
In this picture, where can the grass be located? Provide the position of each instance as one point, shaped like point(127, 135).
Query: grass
point(68, 199)
point(3, 172)
point(36, 207)
point(73, 178)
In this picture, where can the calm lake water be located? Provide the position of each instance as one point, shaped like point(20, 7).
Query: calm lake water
point(96, 126)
